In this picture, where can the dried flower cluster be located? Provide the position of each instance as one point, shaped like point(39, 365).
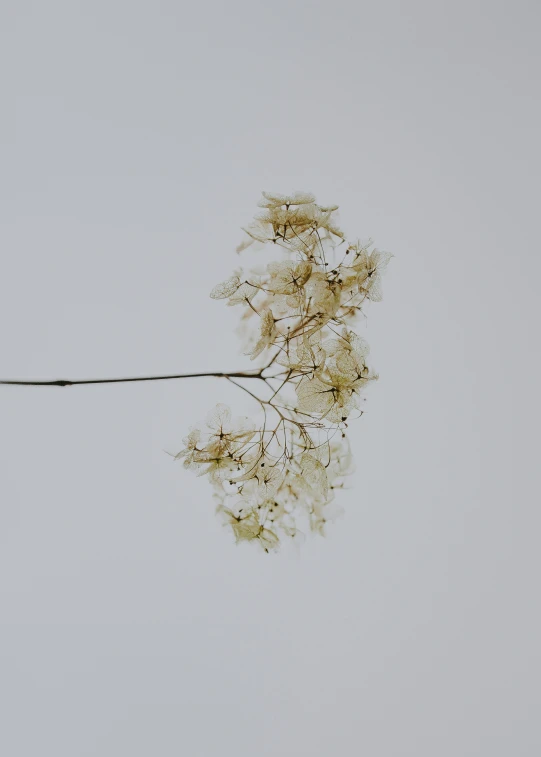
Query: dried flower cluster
point(271, 476)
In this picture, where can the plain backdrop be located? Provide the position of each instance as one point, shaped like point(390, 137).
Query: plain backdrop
point(135, 138)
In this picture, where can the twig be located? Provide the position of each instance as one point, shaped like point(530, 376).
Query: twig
point(69, 382)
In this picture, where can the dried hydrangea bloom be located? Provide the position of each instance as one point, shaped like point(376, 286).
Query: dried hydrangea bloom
point(346, 341)
point(276, 476)
point(228, 287)
point(271, 200)
point(242, 294)
point(288, 276)
point(224, 434)
point(369, 268)
point(304, 355)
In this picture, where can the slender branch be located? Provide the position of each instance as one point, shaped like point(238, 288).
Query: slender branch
point(68, 382)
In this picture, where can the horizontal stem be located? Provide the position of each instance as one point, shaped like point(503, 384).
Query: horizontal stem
point(68, 382)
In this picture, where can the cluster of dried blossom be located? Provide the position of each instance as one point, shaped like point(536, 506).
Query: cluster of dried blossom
point(271, 477)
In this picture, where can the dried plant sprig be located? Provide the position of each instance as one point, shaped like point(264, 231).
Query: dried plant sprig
point(270, 476)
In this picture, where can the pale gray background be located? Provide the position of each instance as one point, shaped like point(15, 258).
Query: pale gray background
point(135, 139)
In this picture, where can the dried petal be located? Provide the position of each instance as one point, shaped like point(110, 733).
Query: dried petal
point(227, 287)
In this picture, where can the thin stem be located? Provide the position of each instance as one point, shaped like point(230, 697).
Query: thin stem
point(261, 402)
point(69, 382)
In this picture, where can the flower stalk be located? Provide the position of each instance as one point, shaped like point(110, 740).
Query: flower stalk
point(75, 382)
